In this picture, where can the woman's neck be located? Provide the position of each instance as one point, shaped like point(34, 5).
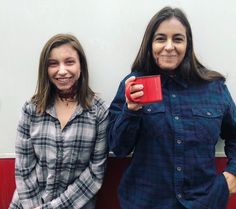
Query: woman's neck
point(65, 101)
point(68, 95)
point(168, 72)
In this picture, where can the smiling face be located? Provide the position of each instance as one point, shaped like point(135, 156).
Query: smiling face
point(169, 44)
point(64, 67)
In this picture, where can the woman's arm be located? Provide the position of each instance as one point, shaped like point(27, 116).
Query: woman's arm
point(26, 179)
point(123, 124)
point(229, 135)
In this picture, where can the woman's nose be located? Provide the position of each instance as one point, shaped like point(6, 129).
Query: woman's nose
point(169, 45)
point(62, 69)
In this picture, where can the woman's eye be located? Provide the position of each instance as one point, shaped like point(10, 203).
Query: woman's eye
point(178, 39)
point(52, 64)
point(159, 39)
point(70, 62)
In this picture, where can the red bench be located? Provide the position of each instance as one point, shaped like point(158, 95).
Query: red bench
point(107, 196)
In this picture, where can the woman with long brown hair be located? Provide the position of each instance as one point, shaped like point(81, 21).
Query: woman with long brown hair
point(61, 146)
point(173, 140)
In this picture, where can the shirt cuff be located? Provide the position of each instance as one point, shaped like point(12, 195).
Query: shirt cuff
point(132, 113)
point(231, 168)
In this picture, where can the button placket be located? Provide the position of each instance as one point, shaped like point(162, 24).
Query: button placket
point(176, 111)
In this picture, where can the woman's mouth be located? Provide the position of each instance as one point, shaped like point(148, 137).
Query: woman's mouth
point(63, 80)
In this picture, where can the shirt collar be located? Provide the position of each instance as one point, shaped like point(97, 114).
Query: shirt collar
point(51, 110)
point(176, 77)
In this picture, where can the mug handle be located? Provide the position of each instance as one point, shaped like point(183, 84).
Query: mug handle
point(127, 91)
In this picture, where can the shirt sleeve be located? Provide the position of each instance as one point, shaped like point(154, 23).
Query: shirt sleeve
point(228, 132)
point(123, 125)
point(85, 187)
point(26, 181)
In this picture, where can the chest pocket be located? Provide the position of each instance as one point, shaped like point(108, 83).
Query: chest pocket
point(154, 108)
point(154, 122)
point(207, 123)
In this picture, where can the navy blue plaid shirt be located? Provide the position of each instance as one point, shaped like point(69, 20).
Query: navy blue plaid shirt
point(173, 144)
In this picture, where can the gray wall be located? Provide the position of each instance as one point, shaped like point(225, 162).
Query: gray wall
point(110, 32)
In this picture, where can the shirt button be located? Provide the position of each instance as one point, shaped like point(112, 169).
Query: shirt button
point(179, 196)
point(149, 110)
point(176, 117)
point(179, 141)
point(173, 95)
point(208, 113)
point(179, 168)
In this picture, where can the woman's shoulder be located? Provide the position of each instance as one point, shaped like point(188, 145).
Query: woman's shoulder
point(29, 107)
point(99, 103)
point(215, 85)
point(28, 110)
point(98, 108)
point(136, 74)
point(217, 82)
point(212, 82)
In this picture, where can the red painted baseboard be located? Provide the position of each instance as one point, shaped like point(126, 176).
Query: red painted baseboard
point(7, 182)
point(107, 196)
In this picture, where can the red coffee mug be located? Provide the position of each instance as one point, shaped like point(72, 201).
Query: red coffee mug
point(152, 91)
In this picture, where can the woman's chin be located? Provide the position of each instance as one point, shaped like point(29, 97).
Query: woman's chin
point(64, 89)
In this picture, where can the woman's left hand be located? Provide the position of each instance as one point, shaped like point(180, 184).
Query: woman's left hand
point(231, 181)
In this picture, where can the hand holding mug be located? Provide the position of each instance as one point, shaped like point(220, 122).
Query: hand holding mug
point(142, 90)
point(135, 92)
point(231, 181)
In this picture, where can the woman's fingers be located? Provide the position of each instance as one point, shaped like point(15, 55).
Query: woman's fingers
point(132, 78)
point(231, 181)
point(135, 93)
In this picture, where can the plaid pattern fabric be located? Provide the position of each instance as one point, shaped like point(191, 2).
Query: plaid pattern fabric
point(60, 168)
point(173, 144)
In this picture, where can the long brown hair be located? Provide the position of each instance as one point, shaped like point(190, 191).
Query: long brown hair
point(190, 68)
point(45, 91)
